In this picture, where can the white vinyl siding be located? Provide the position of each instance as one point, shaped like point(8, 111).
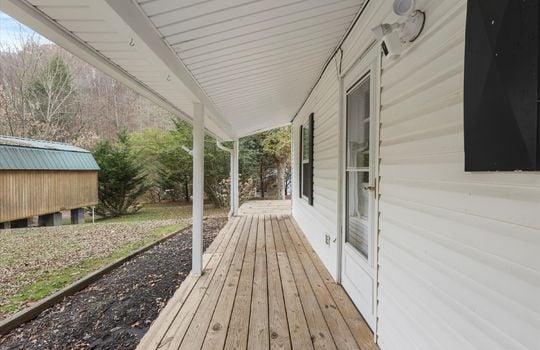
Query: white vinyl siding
point(459, 253)
point(320, 219)
point(455, 271)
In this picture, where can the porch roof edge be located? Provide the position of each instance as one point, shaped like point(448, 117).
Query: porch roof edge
point(32, 17)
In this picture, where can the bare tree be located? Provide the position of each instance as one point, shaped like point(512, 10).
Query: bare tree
point(19, 62)
point(45, 92)
point(52, 101)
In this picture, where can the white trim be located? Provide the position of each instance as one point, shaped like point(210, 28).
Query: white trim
point(258, 131)
point(233, 175)
point(341, 165)
point(131, 15)
point(235, 178)
point(367, 70)
point(198, 189)
point(369, 62)
point(377, 108)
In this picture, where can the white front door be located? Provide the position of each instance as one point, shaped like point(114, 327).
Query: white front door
point(358, 263)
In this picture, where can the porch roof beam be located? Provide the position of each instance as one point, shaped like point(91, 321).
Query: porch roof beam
point(144, 36)
point(128, 14)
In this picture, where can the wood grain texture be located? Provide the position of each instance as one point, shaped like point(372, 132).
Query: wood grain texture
point(277, 315)
point(258, 327)
point(263, 288)
point(30, 193)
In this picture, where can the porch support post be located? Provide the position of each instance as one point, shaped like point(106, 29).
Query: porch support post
point(198, 188)
point(234, 179)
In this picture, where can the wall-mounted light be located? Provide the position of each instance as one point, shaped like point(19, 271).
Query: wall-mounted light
point(413, 26)
point(404, 7)
point(394, 36)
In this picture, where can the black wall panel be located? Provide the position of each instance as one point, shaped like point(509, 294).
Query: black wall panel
point(501, 89)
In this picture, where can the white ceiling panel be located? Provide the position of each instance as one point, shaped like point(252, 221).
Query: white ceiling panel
point(256, 60)
point(252, 63)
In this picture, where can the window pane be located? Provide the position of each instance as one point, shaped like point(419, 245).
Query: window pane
point(306, 179)
point(305, 144)
point(357, 223)
point(358, 108)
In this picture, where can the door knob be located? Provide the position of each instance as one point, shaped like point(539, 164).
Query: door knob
point(368, 188)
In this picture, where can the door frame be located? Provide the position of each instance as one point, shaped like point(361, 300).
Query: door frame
point(369, 62)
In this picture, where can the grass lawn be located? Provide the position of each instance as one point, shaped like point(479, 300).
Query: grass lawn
point(36, 262)
point(163, 211)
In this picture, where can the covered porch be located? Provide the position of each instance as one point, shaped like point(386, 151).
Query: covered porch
point(263, 287)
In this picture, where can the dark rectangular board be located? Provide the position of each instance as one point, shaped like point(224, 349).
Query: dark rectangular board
point(501, 88)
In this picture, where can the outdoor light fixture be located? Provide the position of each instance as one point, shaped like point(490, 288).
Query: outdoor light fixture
point(394, 36)
point(404, 7)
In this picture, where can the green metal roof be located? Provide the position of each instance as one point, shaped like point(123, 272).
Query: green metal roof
point(26, 154)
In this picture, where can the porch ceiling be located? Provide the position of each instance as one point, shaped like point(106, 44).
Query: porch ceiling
point(250, 62)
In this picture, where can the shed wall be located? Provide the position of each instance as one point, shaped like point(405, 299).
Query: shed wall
point(29, 193)
point(458, 252)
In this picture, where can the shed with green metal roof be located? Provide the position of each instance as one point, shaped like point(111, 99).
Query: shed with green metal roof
point(41, 178)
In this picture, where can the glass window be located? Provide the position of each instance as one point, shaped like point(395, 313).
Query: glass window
point(358, 167)
point(358, 117)
point(305, 144)
point(357, 228)
point(306, 157)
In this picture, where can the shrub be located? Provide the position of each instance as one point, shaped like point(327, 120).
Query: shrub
point(121, 179)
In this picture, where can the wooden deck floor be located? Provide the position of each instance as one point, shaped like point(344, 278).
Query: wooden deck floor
point(263, 288)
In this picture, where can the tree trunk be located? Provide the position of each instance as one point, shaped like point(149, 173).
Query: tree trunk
point(280, 179)
point(261, 175)
point(186, 191)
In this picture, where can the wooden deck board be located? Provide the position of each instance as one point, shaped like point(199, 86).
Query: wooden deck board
point(355, 321)
point(174, 337)
point(298, 328)
point(159, 328)
point(337, 325)
point(263, 288)
point(259, 337)
point(222, 288)
point(320, 333)
point(277, 315)
point(215, 337)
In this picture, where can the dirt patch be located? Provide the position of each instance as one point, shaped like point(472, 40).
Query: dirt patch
point(116, 311)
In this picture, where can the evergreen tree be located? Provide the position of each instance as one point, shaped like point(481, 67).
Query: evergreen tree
point(121, 178)
point(175, 170)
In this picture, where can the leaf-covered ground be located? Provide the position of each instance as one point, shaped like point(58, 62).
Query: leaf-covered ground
point(35, 262)
point(115, 311)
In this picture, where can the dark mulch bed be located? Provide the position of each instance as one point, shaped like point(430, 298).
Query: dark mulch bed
point(116, 311)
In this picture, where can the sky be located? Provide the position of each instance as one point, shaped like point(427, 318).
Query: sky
point(10, 30)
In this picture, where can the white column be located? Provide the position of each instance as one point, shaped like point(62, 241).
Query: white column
point(234, 178)
point(198, 188)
